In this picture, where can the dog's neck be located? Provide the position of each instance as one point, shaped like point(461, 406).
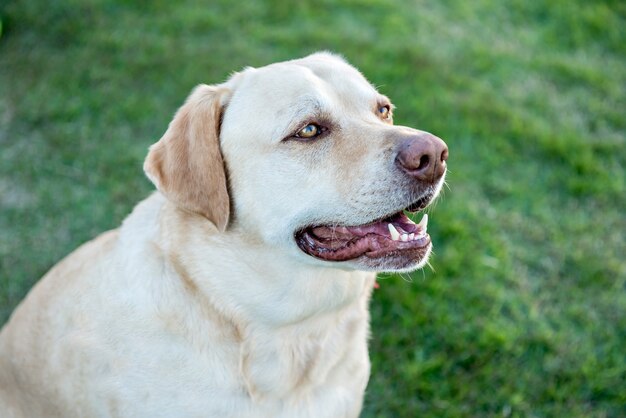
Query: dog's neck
point(255, 282)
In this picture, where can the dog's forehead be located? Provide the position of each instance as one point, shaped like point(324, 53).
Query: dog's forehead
point(324, 77)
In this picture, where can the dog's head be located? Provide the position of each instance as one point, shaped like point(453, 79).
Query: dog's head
point(303, 155)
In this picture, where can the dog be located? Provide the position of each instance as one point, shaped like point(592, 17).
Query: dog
point(240, 288)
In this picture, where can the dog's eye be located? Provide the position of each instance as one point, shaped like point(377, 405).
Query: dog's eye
point(310, 131)
point(384, 111)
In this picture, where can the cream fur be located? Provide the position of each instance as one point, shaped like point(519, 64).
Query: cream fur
point(171, 316)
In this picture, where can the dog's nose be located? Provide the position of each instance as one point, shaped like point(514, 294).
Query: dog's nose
point(423, 157)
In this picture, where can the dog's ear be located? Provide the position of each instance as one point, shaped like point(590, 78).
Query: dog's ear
point(186, 164)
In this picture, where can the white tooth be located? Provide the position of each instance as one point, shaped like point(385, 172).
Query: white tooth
point(411, 236)
point(404, 237)
point(394, 233)
point(423, 223)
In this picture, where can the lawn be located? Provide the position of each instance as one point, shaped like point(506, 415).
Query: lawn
point(523, 313)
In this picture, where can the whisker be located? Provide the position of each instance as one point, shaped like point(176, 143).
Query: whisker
point(406, 277)
point(423, 272)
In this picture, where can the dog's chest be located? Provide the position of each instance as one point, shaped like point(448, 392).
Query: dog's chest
point(322, 367)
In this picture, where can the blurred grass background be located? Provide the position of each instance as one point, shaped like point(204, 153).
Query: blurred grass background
point(524, 311)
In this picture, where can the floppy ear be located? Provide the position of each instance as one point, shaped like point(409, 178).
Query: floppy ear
point(186, 164)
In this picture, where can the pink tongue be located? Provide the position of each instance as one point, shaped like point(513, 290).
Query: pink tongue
point(403, 221)
point(399, 220)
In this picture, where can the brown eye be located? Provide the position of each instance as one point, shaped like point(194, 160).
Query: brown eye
point(310, 131)
point(384, 111)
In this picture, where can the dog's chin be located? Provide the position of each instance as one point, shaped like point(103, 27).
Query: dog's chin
point(393, 243)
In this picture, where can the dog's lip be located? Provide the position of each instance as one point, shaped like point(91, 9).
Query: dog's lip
point(420, 203)
point(395, 233)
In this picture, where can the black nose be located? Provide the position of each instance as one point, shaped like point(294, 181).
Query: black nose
point(423, 157)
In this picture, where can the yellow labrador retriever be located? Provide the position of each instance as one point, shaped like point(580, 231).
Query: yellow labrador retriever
point(241, 287)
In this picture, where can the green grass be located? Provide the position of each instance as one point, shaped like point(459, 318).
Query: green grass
point(524, 311)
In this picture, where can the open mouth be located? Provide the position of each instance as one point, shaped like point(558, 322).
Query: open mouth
point(395, 236)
